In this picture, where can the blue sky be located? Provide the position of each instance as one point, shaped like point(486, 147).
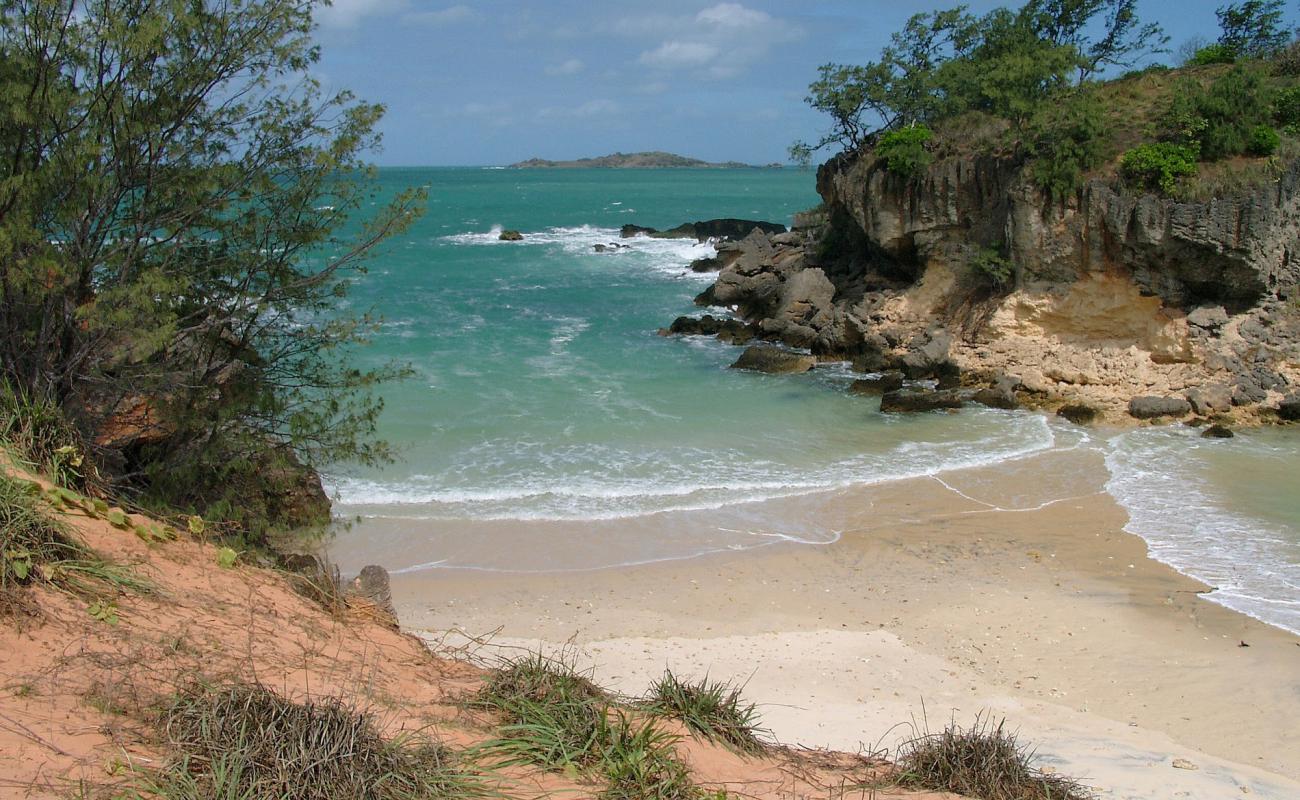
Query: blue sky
point(479, 83)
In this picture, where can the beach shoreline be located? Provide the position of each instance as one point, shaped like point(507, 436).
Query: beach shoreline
point(1009, 589)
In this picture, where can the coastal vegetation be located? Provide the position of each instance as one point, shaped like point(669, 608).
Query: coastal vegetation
point(1037, 82)
point(179, 220)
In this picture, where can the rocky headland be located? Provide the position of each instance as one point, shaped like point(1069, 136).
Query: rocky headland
point(1114, 301)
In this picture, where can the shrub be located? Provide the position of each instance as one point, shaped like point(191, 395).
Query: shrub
point(1286, 109)
point(712, 709)
point(982, 761)
point(1263, 141)
point(246, 741)
point(1159, 166)
point(1066, 141)
point(903, 151)
point(1221, 119)
point(991, 268)
point(1213, 54)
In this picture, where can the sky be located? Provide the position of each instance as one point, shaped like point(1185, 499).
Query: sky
point(499, 81)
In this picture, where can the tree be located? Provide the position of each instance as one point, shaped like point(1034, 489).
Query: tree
point(1253, 29)
point(1121, 40)
point(177, 203)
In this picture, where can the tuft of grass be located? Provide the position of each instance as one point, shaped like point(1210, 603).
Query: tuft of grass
point(639, 761)
point(41, 435)
point(544, 679)
point(984, 761)
point(713, 709)
point(37, 548)
point(244, 741)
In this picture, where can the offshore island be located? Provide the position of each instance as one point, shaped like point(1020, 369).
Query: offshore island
point(654, 159)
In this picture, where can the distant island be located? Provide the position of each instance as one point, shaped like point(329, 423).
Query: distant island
point(652, 160)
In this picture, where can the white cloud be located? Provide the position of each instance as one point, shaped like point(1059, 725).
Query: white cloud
point(445, 16)
point(719, 42)
point(678, 54)
point(345, 14)
point(587, 110)
point(571, 67)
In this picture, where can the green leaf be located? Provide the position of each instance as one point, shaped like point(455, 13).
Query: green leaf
point(118, 519)
point(226, 557)
point(197, 525)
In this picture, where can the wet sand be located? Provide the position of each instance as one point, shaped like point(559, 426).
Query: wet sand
point(1010, 590)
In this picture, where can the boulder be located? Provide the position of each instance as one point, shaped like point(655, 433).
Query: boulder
point(710, 264)
point(1289, 408)
point(511, 236)
point(890, 381)
point(1209, 399)
point(1208, 318)
point(1217, 432)
point(599, 248)
point(708, 325)
point(726, 228)
point(628, 231)
point(995, 397)
point(1152, 407)
point(929, 360)
point(919, 400)
point(1078, 413)
point(373, 585)
point(773, 360)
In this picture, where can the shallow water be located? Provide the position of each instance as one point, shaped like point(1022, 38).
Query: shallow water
point(544, 401)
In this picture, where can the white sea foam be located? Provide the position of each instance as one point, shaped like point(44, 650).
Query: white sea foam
point(1253, 564)
point(670, 256)
point(588, 482)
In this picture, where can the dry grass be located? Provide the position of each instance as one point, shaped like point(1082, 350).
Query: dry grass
point(245, 741)
point(984, 761)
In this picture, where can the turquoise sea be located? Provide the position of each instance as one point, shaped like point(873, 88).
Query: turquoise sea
point(544, 401)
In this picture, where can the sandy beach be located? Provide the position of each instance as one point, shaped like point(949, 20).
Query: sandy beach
point(1010, 590)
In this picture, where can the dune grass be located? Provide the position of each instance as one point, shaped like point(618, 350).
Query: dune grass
point(984, 761)
point(246, 742)
point(712, 709)
point(36, 547)
point(555, 717)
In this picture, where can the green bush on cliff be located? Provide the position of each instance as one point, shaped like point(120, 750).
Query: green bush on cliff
point(992, 269)
point(1067, 140)
point(1159, 165)
point(1212, 54)
point(1221, 120)
point(183, 211)
point(904, 151)
point(1264, 141)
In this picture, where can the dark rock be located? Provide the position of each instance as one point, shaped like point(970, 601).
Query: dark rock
point(919, 400)
point(373, 585)
point(511, 236)
point(708, 297)
point(1289, 408)
point(1208, 317)
point(870, 361)
point(628, 231)
point(300, 563)
point(994, 397)
point(773, 360)
point(1210, 399)
point(718, 229)
point(930, 360)
point(1151, 407)
point(709, 325)
point(890, 381)
point(1078, 413)
point(599, 248)
point(1217, 432)
point(706, 264)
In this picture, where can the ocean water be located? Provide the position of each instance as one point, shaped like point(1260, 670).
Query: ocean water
point(544, 404)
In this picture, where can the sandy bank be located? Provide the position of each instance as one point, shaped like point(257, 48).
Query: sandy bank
point(1012, 589)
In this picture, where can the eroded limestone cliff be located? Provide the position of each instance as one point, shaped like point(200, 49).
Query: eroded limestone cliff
point(1137, 305)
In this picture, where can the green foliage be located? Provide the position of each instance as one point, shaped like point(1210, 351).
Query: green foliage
point(1252, 29)
point(713, 709)
point(36, 428)
point(903, 150)
point(1220, 121)
point(1159, 165)
point(1264, 141)
point(1286, 109)
point(182, 210)
point(36, 547)
point(246, 741)
point(992, 269)
point(638, 760)
point(1007, 62)
point(1213, 54)
point(226, 557)
point(984, 760)
point(1067, 140)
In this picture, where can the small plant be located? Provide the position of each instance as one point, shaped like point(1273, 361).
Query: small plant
point(226, 557)
point(984, 761)
point(1159, 166)
point(992, 269)
point(712, 709)
point(904, 151)
point(36, 428)
point(1213, 54)
point(639, 761)
point(245, 741)
point(104, 611)
point(1264, 141)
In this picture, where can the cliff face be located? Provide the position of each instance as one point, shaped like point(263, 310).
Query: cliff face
point(1113, 295)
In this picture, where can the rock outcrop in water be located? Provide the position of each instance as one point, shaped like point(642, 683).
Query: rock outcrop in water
point(1183, 308)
